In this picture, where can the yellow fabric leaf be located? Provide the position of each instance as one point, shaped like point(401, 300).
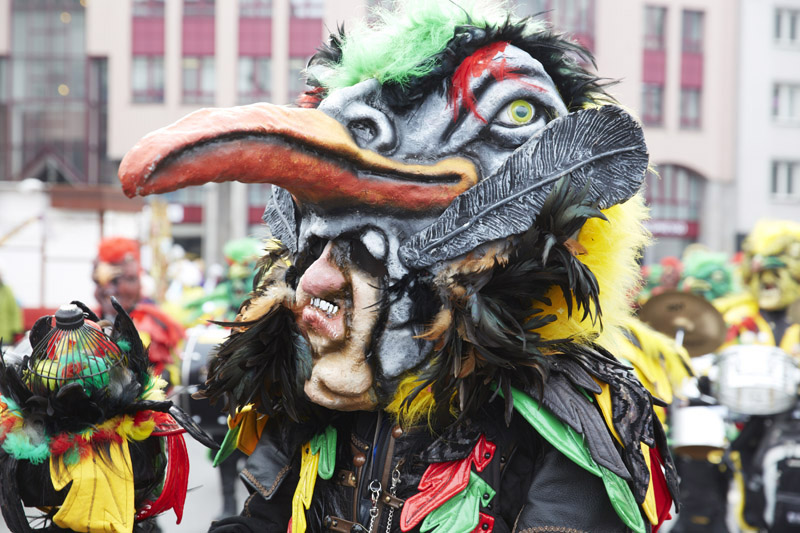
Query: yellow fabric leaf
point(309, 464)
point(251, 425)
point(649, 503)
point(604, 401)
point(101, 496)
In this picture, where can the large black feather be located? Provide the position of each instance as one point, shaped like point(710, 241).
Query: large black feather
point(603, 147)
point(40, 329)
point(573, 408)
point(191, 427)
point(125, 329)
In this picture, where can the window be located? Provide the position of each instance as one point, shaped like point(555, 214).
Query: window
point(676, 193)
point(787, 26)
point(147, 79)
point(652, 104)
point(786, 102)
point(203, 8)
point(254, 79)
point(148, 8)
point(198, 80)
point(297, 83)
point(785, 183)
point(3, 80)
point(255, 8)
point(308, 9)
point(692, 31)
point(690, 108)
point(655, 19)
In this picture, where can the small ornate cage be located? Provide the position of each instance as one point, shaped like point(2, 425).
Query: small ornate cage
point(75, 351)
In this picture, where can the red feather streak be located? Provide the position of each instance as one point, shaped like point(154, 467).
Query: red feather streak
point(176, 482)
point(483, 60)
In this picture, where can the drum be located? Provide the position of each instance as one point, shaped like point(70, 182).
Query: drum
point(757, 380)
point(696, 431)
point(200, 341)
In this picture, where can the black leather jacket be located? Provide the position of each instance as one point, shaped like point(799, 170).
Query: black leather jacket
point(538, 490)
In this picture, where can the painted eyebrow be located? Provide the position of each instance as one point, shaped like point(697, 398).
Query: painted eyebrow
point(486, 80)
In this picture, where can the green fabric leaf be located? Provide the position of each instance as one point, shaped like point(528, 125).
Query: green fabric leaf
point(325, 445)
point(619, 492)
point(569, 442)
point(460, 514)
point(228, 446)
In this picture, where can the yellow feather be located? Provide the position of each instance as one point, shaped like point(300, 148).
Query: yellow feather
point(612, 251)
point(422, 406)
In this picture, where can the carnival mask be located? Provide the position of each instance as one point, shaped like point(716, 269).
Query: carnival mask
point(384, 187)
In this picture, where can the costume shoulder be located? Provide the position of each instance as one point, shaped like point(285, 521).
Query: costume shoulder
point(598, 415)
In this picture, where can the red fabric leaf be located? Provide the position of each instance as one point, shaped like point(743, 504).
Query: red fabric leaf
point(660, 490)
point(442, 481)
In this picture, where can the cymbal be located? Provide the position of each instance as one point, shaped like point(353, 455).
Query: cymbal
point(703, 327)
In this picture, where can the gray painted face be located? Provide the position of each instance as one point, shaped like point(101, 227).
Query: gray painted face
point(507, 112)
point(429, 132)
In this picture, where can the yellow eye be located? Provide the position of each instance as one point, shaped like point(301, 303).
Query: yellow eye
point(520, 112)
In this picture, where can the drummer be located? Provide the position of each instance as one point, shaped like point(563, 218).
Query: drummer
point(770, 272)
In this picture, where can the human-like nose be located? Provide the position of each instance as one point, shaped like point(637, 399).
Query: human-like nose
point(323, 277)
point(354, 107)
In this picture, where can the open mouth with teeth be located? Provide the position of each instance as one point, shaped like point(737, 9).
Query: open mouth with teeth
point(323, 318)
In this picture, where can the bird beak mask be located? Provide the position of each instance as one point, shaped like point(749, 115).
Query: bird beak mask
point(384, 190)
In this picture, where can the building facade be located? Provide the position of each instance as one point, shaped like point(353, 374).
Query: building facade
point(81, 81)
point(682, 83)
point(768, 148)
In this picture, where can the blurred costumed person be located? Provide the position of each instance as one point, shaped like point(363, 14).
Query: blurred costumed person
point(117, 273)
point(705, 475)
point(86, 433)
point(11, 326)
point(457, 220)
point(222, 304)
point(709, 274)
point(770, 270)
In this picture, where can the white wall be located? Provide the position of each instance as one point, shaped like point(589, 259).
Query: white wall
point(48, 262)
point(760, 139)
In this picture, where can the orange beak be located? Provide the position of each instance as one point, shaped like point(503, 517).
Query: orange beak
point(302, 150)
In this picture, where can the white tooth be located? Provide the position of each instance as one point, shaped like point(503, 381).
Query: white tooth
point(335, 309)
point(315, 302)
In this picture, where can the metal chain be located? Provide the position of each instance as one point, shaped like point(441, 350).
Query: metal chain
point(375, 489)
point(392, 491)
